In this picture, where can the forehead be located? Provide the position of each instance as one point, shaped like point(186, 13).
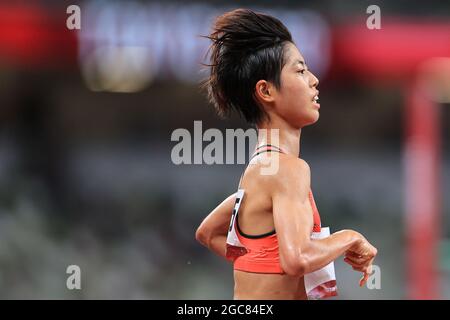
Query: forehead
point(293, 55)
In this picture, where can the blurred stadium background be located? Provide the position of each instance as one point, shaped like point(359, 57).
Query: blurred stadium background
point(86, 118)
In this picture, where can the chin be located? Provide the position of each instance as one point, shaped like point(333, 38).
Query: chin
point(304, 120)
point(312, 120)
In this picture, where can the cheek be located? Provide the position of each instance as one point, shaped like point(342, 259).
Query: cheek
point(297, 90)
point(297, 103)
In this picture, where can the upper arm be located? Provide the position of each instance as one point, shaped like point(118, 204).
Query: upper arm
point(218, 221)
point(292, 211)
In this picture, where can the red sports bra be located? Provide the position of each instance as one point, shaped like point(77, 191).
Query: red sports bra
point(258, 253)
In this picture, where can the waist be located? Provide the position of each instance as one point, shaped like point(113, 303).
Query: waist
point(268, 286)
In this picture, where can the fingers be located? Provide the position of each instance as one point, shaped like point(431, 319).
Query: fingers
point(353, 264)
point(362, 252)
point(360, 257)
point(352, 254)
point(356, 267)
point(369, 268)
point(360, 269)
point(365, 268)
point(357, 260)
point(366, 275)
point(364, 279)
point(364, 249)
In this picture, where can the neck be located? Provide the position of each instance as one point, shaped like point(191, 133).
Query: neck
point(282, 136)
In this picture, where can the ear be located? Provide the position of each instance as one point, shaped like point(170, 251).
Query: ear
point(264, 91)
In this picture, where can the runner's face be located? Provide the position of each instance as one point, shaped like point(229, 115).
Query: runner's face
point(295, 100)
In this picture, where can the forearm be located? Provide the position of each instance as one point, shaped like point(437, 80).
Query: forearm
point(212, 232)
point(320, 252)
point(218, 245)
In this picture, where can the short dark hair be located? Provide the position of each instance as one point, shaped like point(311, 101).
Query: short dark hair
point(246, 47)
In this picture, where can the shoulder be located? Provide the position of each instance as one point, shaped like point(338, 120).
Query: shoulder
point(284, 172)
point(293, 165)
point(292, 172)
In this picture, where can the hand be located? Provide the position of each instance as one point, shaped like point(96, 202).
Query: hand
point(361, 257)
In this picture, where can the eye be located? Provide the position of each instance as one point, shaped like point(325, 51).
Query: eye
point(301, 71)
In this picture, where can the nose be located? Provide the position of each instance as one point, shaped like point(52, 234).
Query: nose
point(314, 81)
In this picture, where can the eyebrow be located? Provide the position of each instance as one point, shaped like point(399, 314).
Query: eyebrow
point(299, 62)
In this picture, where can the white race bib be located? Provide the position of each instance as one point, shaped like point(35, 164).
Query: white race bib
point(321, 283)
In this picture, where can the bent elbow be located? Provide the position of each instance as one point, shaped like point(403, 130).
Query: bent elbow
point(296, 267)
point(202, 236)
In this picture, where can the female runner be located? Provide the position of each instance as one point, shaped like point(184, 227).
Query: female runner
point(268, 234)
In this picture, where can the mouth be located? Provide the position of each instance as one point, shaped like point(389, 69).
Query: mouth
point(316, 100)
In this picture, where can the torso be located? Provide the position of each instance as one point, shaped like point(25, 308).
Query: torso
point(249, 285)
